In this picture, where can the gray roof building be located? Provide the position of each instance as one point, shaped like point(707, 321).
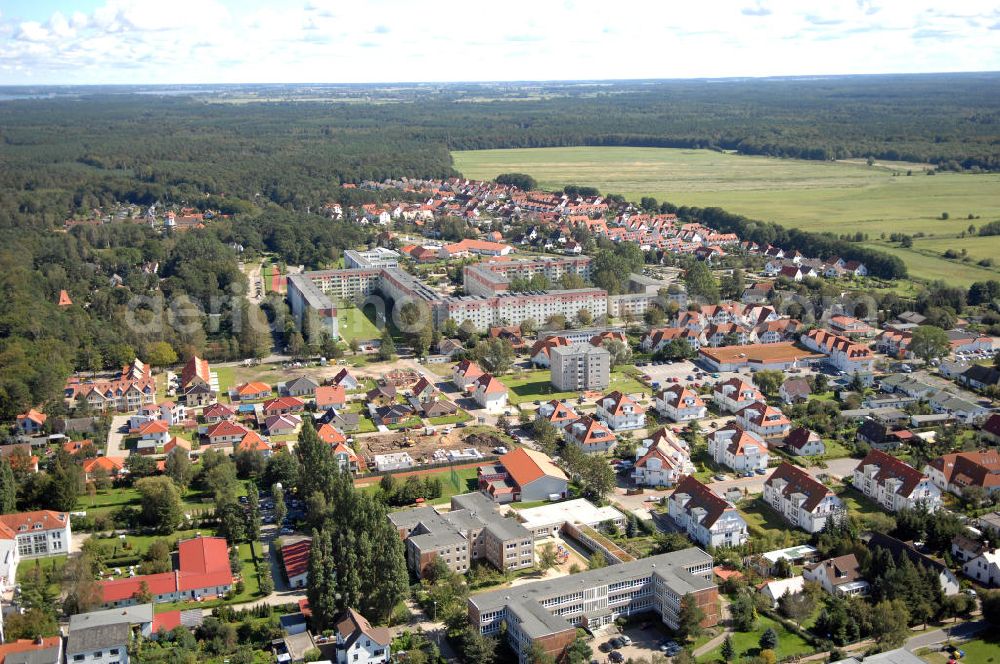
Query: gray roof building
point(101, 637)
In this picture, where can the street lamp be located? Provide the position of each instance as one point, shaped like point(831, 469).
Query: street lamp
point(434, 619)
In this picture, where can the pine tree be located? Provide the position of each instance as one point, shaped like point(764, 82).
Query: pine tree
point(8, 488)
point(728, 649)
point(769, 639)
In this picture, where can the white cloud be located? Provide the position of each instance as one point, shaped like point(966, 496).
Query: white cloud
point(371, 40)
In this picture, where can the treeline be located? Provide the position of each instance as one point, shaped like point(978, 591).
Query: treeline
point(819, 245)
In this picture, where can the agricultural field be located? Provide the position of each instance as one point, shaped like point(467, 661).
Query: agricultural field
point(812, 195)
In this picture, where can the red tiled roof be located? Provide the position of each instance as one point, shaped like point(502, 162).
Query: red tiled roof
point(525, 466)
point(225, 428)
point(253, 388)
point(616, 401)
point(295, 557)
point(799, 481)
point(330, 395)
point(111, 464)
point(703, 497)
point(28, 645)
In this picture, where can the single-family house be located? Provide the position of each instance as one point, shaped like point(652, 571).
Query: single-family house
point(795, 390)
point(804, 442)
point(465, 373)
point(490, 393)
point(360, 643)
point(253, 391)
point(840, 576)
point(303, 386)
point(621, 412)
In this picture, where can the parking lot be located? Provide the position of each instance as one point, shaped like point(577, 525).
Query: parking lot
point(646, 639)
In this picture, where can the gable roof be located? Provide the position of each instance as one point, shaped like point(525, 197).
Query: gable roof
point(111, 464)
point(799, 437)
point(798, 481)
point(700, 496)
point(351, 625)
point(616, 401)
point(889, 467)
point(490, 385)
point(195, 368)
point(525, 466)
point(295, 557)
point(964, 469)
point(225, 428)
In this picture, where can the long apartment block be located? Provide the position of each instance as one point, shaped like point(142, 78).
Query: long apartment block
point(493, 278)
point(548, 612)
point(472, 530)
point(315, 293)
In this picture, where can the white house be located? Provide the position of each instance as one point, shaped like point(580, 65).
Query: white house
point(736, 448)
point(557, 413)
point(984, 568)
point(27, 535)
point(893, 484)
point(620, 412)
point(773, 590)
point(490, 393)
point(662, 460)
point(734, 395)
point(465, 373)
point(801, 500)
point(838, 576)
point(804, 442)
point(763, 420)
point(706, 517)
point(360, 643)
point(679, 404)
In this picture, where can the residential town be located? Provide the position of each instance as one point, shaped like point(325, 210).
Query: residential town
point(580, 431)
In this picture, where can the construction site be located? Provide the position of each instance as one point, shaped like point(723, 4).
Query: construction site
point(423, 444)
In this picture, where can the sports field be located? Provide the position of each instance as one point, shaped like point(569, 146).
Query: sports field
point(819, 196)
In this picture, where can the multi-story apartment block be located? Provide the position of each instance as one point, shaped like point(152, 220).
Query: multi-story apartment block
point(590, 435)
point(734, 395)
point(620, 412)
point(706, 517)
point(470, 531)
point(663, 462)
point(580, 367)
point(801, 500)
point(28, 535)
point(679, 404)
point(738, 449)
point(494, 277)
point(841, 352)
point(763, 420)
point(893, 484)
point(132, 389)
point(546, 613)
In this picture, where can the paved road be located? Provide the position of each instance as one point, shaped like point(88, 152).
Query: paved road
point(116, 438)
point(959, 632)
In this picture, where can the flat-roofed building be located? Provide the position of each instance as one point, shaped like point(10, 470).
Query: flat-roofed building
point(580, 367)
point(546, 613)
point(471, 531)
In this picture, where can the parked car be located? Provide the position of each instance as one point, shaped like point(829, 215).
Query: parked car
point(761, 471)
point(719, 478)
point(626, 640)
point(616, 643)
point(616, 657)
point(605, 647)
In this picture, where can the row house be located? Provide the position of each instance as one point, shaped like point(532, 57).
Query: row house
point(657, 339)
point(705, 517)
point(620, 412)
point(894, 484)
point(738, 449)
point(679, 404)
point(841, 352)
point(801, 500)
point(465, 373)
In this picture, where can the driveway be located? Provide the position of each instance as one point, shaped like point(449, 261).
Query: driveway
point(116, 438)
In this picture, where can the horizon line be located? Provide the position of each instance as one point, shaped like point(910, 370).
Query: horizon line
point(774, 77)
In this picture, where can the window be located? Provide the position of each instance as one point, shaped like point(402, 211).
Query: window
point(113, 651)
point(77, 658)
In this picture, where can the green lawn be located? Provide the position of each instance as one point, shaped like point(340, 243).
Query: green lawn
point(835, 450)
point(810, 195)
point(535, 386)
point(352, 323)
point(460, 416)
point(764, 523)
point(789, 643)
point(978, 651)
point(856, 502)
point(108, 500)
point(52, 567)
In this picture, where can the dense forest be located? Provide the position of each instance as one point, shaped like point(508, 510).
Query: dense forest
point(268, 167)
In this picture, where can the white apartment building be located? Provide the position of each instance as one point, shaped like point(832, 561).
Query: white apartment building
point(620, 412)
point(706, 517)
point(734, 395)
point(679, 404)
point(893, 484)
point(738, 449)
point(801, 500)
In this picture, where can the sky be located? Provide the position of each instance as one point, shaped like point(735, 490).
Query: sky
point(358, 41)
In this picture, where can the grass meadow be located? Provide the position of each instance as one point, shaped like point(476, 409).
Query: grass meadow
point(812, 195)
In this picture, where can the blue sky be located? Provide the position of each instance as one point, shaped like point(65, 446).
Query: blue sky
point(225, 41)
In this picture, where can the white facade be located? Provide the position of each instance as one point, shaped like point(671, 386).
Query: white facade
point(893, 484)
point(985, 568)
point(737, 449)
point(621, 413)
point(680, 405)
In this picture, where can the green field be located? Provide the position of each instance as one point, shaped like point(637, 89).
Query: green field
point(352, 323)
point(789, 643)
point(812, 195)
point(980, 651)
point(536, 386)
